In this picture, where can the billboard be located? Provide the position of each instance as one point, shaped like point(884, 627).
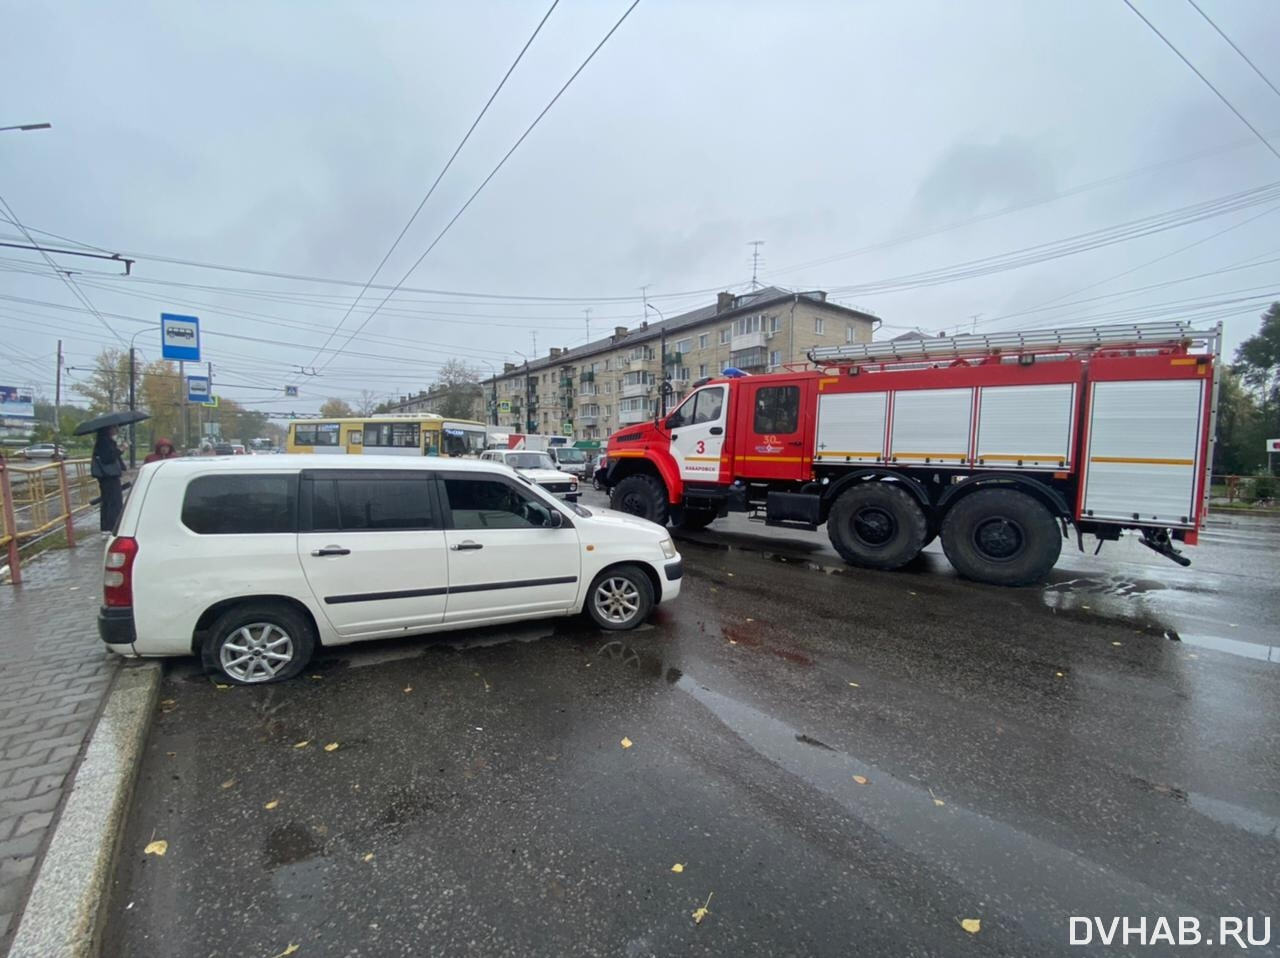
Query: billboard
point(17, 402)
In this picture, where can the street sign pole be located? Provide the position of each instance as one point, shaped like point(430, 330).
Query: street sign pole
point(182, 378)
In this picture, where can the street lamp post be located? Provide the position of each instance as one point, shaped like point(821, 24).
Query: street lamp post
point(662, 360)
point(530, 423)
point(26, 127)
point(133, 427)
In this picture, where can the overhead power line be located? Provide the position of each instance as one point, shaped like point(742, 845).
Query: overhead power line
point(443, 171)
point(1204, 79)
point(1243, 56)
point(492, 173)
point(71, 284)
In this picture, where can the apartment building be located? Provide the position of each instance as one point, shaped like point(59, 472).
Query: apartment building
point(593, 390)
point(463, 402)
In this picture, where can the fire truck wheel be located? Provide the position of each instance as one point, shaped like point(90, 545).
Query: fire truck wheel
point(642, 496)
point(878, 525)
point(1001, 536)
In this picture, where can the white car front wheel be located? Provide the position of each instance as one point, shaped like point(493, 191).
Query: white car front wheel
point(620, 598)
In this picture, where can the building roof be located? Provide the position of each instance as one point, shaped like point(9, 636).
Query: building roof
point(742, 303)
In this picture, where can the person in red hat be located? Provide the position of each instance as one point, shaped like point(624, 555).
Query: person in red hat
point(163, 449)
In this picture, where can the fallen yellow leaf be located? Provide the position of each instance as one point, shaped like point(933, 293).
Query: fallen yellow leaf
point(271, 804)
point(317, 677)
point(855, 685)
point(677, 868)
point(168, 703)
point(368, 857)
point(972, 925)
point(1059, 674)
point(287, 952)
point(627, 743)
point(219, 685)
point(331, 747)
point(1117, 643)
point(228, 783)
point(939, 802)
point(158, 847)
point(407, 689)
point(701, 913)
point(862, 780)
point(303, 744)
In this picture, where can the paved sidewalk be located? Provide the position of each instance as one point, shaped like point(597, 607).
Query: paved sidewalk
point(54, 675)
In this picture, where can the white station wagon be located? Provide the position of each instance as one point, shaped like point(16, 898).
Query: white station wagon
point(252, 562)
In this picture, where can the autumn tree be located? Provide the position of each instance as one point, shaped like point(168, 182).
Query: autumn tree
point(106, 384)
point(460, 384)
point(368, 403)
point(336, 409)
point(160, 393)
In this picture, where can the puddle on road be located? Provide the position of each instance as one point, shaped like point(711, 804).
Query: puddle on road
point(1248, 650)
point(1223, 812)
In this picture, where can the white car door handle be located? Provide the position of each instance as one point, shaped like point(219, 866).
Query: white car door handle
point(464, 546)
point(331, 551)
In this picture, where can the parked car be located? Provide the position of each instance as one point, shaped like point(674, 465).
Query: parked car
point(238, 449)
point(223, 449)
point(44, 450)
point(253, 563)
point(539, 467)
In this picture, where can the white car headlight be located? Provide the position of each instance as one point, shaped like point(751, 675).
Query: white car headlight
point(573, 487)
point(668, 548)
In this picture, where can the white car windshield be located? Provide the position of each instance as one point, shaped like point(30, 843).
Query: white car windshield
point(529, 460)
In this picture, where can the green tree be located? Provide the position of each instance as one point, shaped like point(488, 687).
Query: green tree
point(160, 393)
point(1258, 366)
point(336, 409)
point(1239, 439)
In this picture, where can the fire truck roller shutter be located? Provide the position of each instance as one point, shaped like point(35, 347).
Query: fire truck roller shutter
point(851, 427)
point(931, 425)
point(1143, 450)
point(1026, 427)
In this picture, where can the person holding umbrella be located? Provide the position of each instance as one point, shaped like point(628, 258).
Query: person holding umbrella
point(107, 465)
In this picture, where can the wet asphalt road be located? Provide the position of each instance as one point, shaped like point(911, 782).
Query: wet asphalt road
point(1028, 755)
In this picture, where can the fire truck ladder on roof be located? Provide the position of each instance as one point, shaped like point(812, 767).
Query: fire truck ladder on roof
point(1071, 338)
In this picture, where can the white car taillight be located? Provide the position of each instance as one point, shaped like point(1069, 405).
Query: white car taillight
point(117, 580)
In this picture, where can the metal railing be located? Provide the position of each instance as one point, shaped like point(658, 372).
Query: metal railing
point(36, 500)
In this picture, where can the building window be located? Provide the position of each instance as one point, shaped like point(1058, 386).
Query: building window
point(775, 359)
point(702, 371)
point(703, 340)
point(819, 325)
point(608, 364)
point(749, 359)
point(774, 324)
point(724, 335)
point(637, 378)
point(683, 346)
point(749, 324)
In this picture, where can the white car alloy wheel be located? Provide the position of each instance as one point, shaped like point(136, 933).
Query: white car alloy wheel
point(617, 600)
point(256, 652)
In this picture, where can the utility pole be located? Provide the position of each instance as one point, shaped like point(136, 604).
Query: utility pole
point(182, 393)
point(755, 262)
point(133, 399)
point(587, 312)
point(209, 371)
point(644, 302)
point(57, 397)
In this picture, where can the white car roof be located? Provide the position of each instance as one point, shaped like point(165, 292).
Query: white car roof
point(297, 462)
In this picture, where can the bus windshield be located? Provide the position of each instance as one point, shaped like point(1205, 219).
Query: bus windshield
point(565, 454)
point(458, 441)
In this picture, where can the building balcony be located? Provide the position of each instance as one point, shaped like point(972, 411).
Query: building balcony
point(642, 363)
point(629, 417)
point(587, 420)
point(747, 341)
point(587, 377)
point(636, 389)
point(589, 390)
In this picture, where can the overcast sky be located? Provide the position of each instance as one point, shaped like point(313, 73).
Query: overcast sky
point(298, 138)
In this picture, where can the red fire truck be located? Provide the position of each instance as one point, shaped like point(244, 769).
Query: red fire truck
point(1001, 444)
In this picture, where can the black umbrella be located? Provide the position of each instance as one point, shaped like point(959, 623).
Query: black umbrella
point(122, 418)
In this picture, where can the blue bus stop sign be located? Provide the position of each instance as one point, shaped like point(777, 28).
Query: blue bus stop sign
point(198, 389)
point(179, 337)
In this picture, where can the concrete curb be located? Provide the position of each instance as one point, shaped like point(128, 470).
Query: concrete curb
point(63, 914)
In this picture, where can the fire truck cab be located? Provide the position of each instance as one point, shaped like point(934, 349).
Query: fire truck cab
point(1001, 444)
